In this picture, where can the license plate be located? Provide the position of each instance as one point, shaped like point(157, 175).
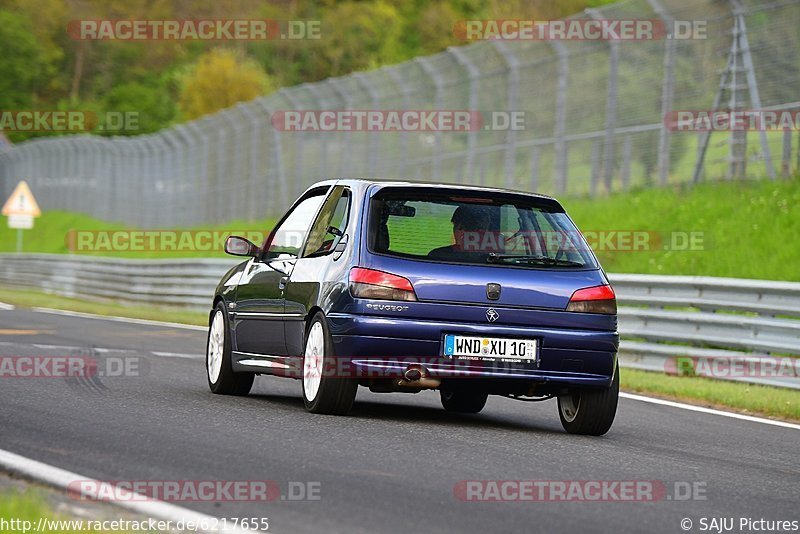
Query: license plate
point(509, 350)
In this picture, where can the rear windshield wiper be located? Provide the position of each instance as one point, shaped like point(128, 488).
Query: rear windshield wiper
point(542, 260)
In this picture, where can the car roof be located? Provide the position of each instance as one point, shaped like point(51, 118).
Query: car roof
point(363, 182)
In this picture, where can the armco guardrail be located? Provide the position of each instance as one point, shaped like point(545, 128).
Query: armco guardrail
point(729, 328)
point(726, 328)
point(185, 282)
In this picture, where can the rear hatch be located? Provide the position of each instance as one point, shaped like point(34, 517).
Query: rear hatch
point(469, 284)
point(473, 249)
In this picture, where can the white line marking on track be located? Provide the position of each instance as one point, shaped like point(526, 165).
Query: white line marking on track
point(46, 347)
point(179, 355)
point(108, 351)
point(119, 319)
point(60, 478)
point(711, 411)
point(103, 350)
point(4, 306)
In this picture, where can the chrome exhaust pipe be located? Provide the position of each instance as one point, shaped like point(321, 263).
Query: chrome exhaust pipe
point(412, 374)
point(416, 376)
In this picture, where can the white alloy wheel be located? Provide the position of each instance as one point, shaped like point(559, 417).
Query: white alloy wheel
point(313, 361)
point(569, 406)
point(216, 345)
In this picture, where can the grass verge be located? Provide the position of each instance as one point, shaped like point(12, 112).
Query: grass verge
point(29, 298)
point(740, 229)
point(24, 510)
point(748, 399)
point(63, 232)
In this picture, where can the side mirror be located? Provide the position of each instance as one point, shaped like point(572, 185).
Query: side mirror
point(239, 246)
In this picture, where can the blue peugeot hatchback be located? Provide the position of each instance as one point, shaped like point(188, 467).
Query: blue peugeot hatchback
point(401, 287)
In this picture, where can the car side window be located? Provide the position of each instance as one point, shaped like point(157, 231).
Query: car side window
point(289, 236)
point(330, 225)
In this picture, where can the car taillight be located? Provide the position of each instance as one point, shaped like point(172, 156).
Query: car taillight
point(597, 299)
point(372, 284)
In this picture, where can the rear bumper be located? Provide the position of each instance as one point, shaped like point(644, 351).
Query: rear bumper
point(388, 345)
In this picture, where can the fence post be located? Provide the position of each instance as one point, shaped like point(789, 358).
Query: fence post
point(5, 169)
point(512, 97)
point(626, 162)
point(208, 194)
point(535, 167)
point(404, 93)
point(560, 127)
point(472, 105)
point(186, 142)
point(786, 159)
point(611, 106)
point(595, 170)
point(299, 141)
point(164, 182)
point(438, 85)
point(321, 137)
point(105, 164)
point(798, 151)
point(156, 189)
point(347, 153)
point(373, 138)
point(68, 158)
point(281, 198)
point(752, 83)
point(247, 173)
point(667, 91)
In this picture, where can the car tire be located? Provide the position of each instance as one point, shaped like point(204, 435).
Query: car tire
point(461, 401)
point(323, 393)
point(219, 367)
point(590, 411)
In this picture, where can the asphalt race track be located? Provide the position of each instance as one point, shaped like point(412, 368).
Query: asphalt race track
point(392, 465)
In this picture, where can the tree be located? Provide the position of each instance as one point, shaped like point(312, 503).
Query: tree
point(24, 68)
point(153, 105)
point(356, 36)
point(219, 80)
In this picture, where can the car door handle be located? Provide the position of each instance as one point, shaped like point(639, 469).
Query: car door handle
point(282, 283)
point(340, 248)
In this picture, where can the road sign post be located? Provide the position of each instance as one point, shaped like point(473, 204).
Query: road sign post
point(21, 208)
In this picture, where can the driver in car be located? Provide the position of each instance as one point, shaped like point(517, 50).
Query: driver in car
point(470, 223)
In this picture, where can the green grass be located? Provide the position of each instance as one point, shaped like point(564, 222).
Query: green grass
point(745, 398)
point(64, 232)
point(29, 298)
point(31, 506)
point(749, 229)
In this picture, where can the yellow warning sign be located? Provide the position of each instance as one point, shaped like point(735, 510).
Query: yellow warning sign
point(21, 202)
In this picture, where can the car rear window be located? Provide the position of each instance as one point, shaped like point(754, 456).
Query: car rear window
point(454, 226)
